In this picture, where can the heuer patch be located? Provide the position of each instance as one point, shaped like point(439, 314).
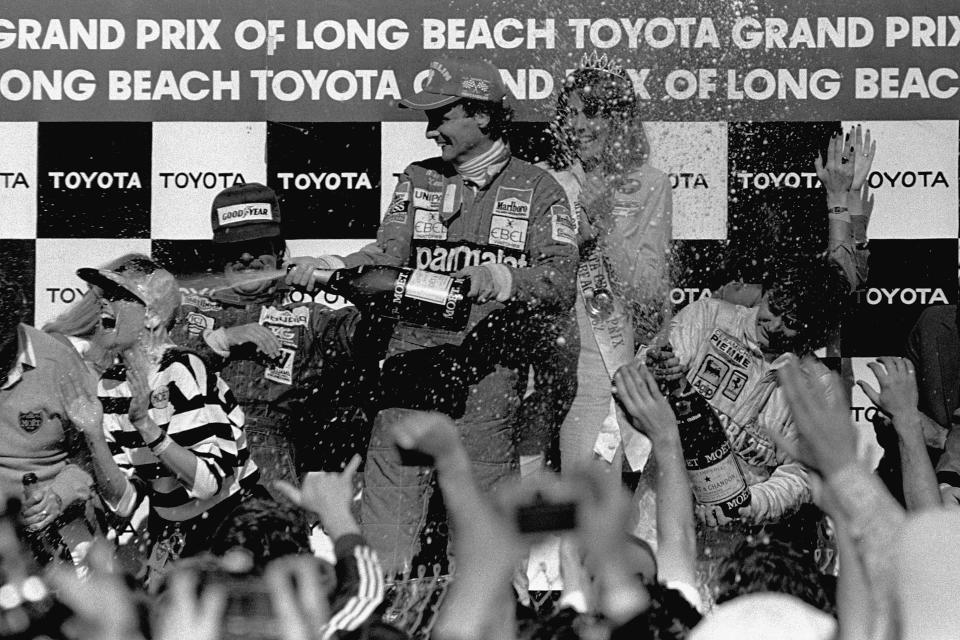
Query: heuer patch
point(30, 421)
point(710, 375)
point(731, 348)
point(160, 398)
point(513, 202)
point(426, 199)
point(397, 211)
point(508, 232)
point(563, 225)
point(427, 225)
point(198, 324)
point(284, 334)
point(297, 317)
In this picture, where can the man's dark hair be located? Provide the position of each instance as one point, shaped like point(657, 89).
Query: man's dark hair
point(501, 116)
point(811, 294)
point(264, 527)
point(770, 565)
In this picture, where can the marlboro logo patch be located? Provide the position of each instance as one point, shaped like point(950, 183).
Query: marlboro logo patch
point(513, 202)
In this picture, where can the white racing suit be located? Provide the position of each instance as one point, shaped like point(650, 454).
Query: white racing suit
point(718, 341)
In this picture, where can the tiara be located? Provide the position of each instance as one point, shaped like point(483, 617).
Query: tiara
point(600, 63)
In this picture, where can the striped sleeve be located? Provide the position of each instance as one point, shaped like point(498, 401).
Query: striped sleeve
point(108, 392)
point(197, 420)
point(115, 400)
point(359, 585)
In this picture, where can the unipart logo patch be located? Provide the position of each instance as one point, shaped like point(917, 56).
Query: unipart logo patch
point(424, 199)
point(513, 202)
point(246, 212)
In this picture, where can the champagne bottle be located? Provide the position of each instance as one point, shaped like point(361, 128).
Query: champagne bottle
point(411, 295)
point(715, 474)
point(41, 542)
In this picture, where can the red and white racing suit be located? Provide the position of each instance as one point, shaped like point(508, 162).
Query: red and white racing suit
point(521, 220)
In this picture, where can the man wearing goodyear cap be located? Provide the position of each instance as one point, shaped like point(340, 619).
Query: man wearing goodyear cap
point(474, 211)
point(298, 369)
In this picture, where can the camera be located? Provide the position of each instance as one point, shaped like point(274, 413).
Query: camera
point(543, 515)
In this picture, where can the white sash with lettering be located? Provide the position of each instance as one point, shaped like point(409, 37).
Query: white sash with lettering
point(613, 331)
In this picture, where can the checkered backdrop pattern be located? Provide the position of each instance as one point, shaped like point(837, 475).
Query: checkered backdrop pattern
point(78, 194)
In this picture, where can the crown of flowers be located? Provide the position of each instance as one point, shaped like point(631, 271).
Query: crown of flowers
point(601, 63)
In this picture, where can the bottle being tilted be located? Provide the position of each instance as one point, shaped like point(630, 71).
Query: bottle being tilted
point(412, 295)
point(715, 474)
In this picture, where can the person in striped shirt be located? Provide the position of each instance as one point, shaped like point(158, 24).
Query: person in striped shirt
point(159, 424)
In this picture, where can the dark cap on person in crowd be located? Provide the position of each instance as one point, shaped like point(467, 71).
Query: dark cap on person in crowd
point(452, 79)
point(245, 212)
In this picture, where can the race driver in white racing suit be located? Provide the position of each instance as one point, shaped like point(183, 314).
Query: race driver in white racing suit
point(730, 354)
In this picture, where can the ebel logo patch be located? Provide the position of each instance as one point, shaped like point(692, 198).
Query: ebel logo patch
point(424, 199)
point(428, 226)
point(513, 202)
point(237, 213)
point(298, 317)
point(508, 232)
point(198, 324)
